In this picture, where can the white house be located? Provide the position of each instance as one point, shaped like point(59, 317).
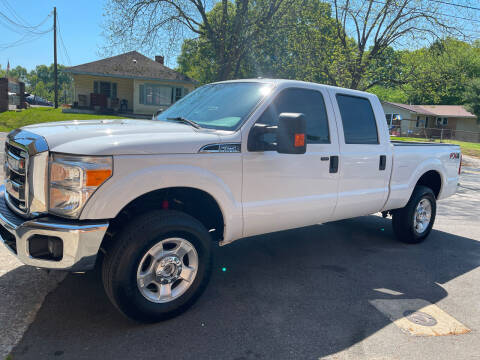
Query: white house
point(424, 119)
point(129, 82)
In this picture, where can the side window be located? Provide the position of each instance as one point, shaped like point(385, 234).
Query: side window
point(358, 119)
point(305, 101)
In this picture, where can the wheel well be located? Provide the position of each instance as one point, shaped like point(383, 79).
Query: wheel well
point(194, 202)
point(433, 180)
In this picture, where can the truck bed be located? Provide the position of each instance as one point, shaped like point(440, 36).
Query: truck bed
point(419, 143)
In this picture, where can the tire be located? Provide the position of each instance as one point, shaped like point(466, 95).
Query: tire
point(128, 285)
point(404, 219)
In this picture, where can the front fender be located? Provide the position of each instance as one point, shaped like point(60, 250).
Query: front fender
point(134, 177)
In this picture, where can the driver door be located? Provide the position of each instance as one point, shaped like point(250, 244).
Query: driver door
point(283, 191)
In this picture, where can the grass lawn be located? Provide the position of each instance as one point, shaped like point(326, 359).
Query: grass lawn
point(468, 148)
point(10, 120)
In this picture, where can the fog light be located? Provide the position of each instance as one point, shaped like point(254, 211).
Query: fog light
point(45, 247)
point(55, 247)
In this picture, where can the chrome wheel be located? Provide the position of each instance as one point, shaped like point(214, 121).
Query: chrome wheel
point(422, 216)
point(167, 270)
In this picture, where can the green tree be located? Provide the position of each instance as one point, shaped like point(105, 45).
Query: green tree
point(42, 91)
point(17, 73)
point(300, 44)
point(471, 97)
point(438, 74)
point(230, 26)
point(197, 60)
point(41, 79)
point(378, 25)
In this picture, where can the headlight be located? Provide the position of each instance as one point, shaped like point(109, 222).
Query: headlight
point(73, 179)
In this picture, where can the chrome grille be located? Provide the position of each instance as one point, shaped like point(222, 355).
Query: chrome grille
point(16, 160)
point(26, 168)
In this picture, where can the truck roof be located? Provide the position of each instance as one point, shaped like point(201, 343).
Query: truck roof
point(277, 82)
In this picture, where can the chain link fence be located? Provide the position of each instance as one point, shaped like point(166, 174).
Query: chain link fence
point(408, 128)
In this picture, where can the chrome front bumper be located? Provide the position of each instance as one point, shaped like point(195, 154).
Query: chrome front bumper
point(81, 239)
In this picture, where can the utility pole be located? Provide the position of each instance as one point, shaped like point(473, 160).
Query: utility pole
point(55, 55)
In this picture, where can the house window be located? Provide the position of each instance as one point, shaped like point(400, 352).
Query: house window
point(421, 123)
point(105, 88)
point(159, 95)
point(389, 118)
point(442, 121)
point(178, 93)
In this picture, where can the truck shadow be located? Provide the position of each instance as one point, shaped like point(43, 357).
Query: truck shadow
point(295, 294)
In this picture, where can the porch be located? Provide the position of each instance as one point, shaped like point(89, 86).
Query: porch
point(103, 94)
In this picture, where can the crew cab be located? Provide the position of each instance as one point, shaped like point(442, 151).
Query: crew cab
point(147, 199)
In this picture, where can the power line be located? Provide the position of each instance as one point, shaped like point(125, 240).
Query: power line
point(20, 26)
point(25, 39)
point(431, 12)
point(469, 31)
point(455, 4)
point(17, 25)
point(62, 43)
point(22, 29)
point(13, 12)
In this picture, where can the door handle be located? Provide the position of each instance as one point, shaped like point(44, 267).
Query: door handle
point(383, 162)
point(333, 164)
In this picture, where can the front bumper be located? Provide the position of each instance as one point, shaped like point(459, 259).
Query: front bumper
point(81, 239)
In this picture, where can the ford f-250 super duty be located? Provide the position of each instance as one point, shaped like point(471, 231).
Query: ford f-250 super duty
point(145, 199)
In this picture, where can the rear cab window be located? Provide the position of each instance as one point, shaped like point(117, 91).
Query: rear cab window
point(358, 119)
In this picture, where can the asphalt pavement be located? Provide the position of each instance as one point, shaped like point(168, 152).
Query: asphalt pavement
point(22, 291)
point(317, 292)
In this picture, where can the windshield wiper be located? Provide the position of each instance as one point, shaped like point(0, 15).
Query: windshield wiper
point(185, 121)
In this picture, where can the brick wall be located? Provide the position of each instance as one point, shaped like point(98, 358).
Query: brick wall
point(22, 105)
point(15, 86)
point(3, 94)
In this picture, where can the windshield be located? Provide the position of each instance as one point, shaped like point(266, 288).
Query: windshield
point(218, 106)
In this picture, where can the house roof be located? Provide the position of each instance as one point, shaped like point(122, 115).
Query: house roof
point(131, 65)
point(449, 110)
point(436, 110)
point(418, 109)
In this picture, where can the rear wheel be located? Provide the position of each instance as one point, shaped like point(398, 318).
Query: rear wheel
point(158, 266)
point(413, 223)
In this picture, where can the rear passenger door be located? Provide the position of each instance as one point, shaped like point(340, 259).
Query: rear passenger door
point(364, 162)
point(284, 191)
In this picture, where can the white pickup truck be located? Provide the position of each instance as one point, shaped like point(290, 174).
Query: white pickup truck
point(147, 199)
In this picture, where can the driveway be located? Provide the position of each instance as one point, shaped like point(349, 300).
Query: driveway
point(318, 292)
point(22, 290)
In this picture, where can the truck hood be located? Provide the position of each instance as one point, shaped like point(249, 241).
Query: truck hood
point(122, 137)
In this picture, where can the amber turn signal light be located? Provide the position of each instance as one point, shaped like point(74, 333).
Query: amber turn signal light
point(97, 177)
point(299, 140)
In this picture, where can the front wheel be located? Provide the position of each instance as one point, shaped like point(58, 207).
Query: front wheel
point(158, 266)
point(413, 223)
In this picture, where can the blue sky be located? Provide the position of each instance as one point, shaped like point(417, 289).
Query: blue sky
point(80, 26)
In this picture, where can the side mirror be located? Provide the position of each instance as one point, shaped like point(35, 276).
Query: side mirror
point(256, 138)
point(291, 133)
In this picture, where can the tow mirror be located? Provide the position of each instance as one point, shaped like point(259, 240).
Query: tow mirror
point(291, 133)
